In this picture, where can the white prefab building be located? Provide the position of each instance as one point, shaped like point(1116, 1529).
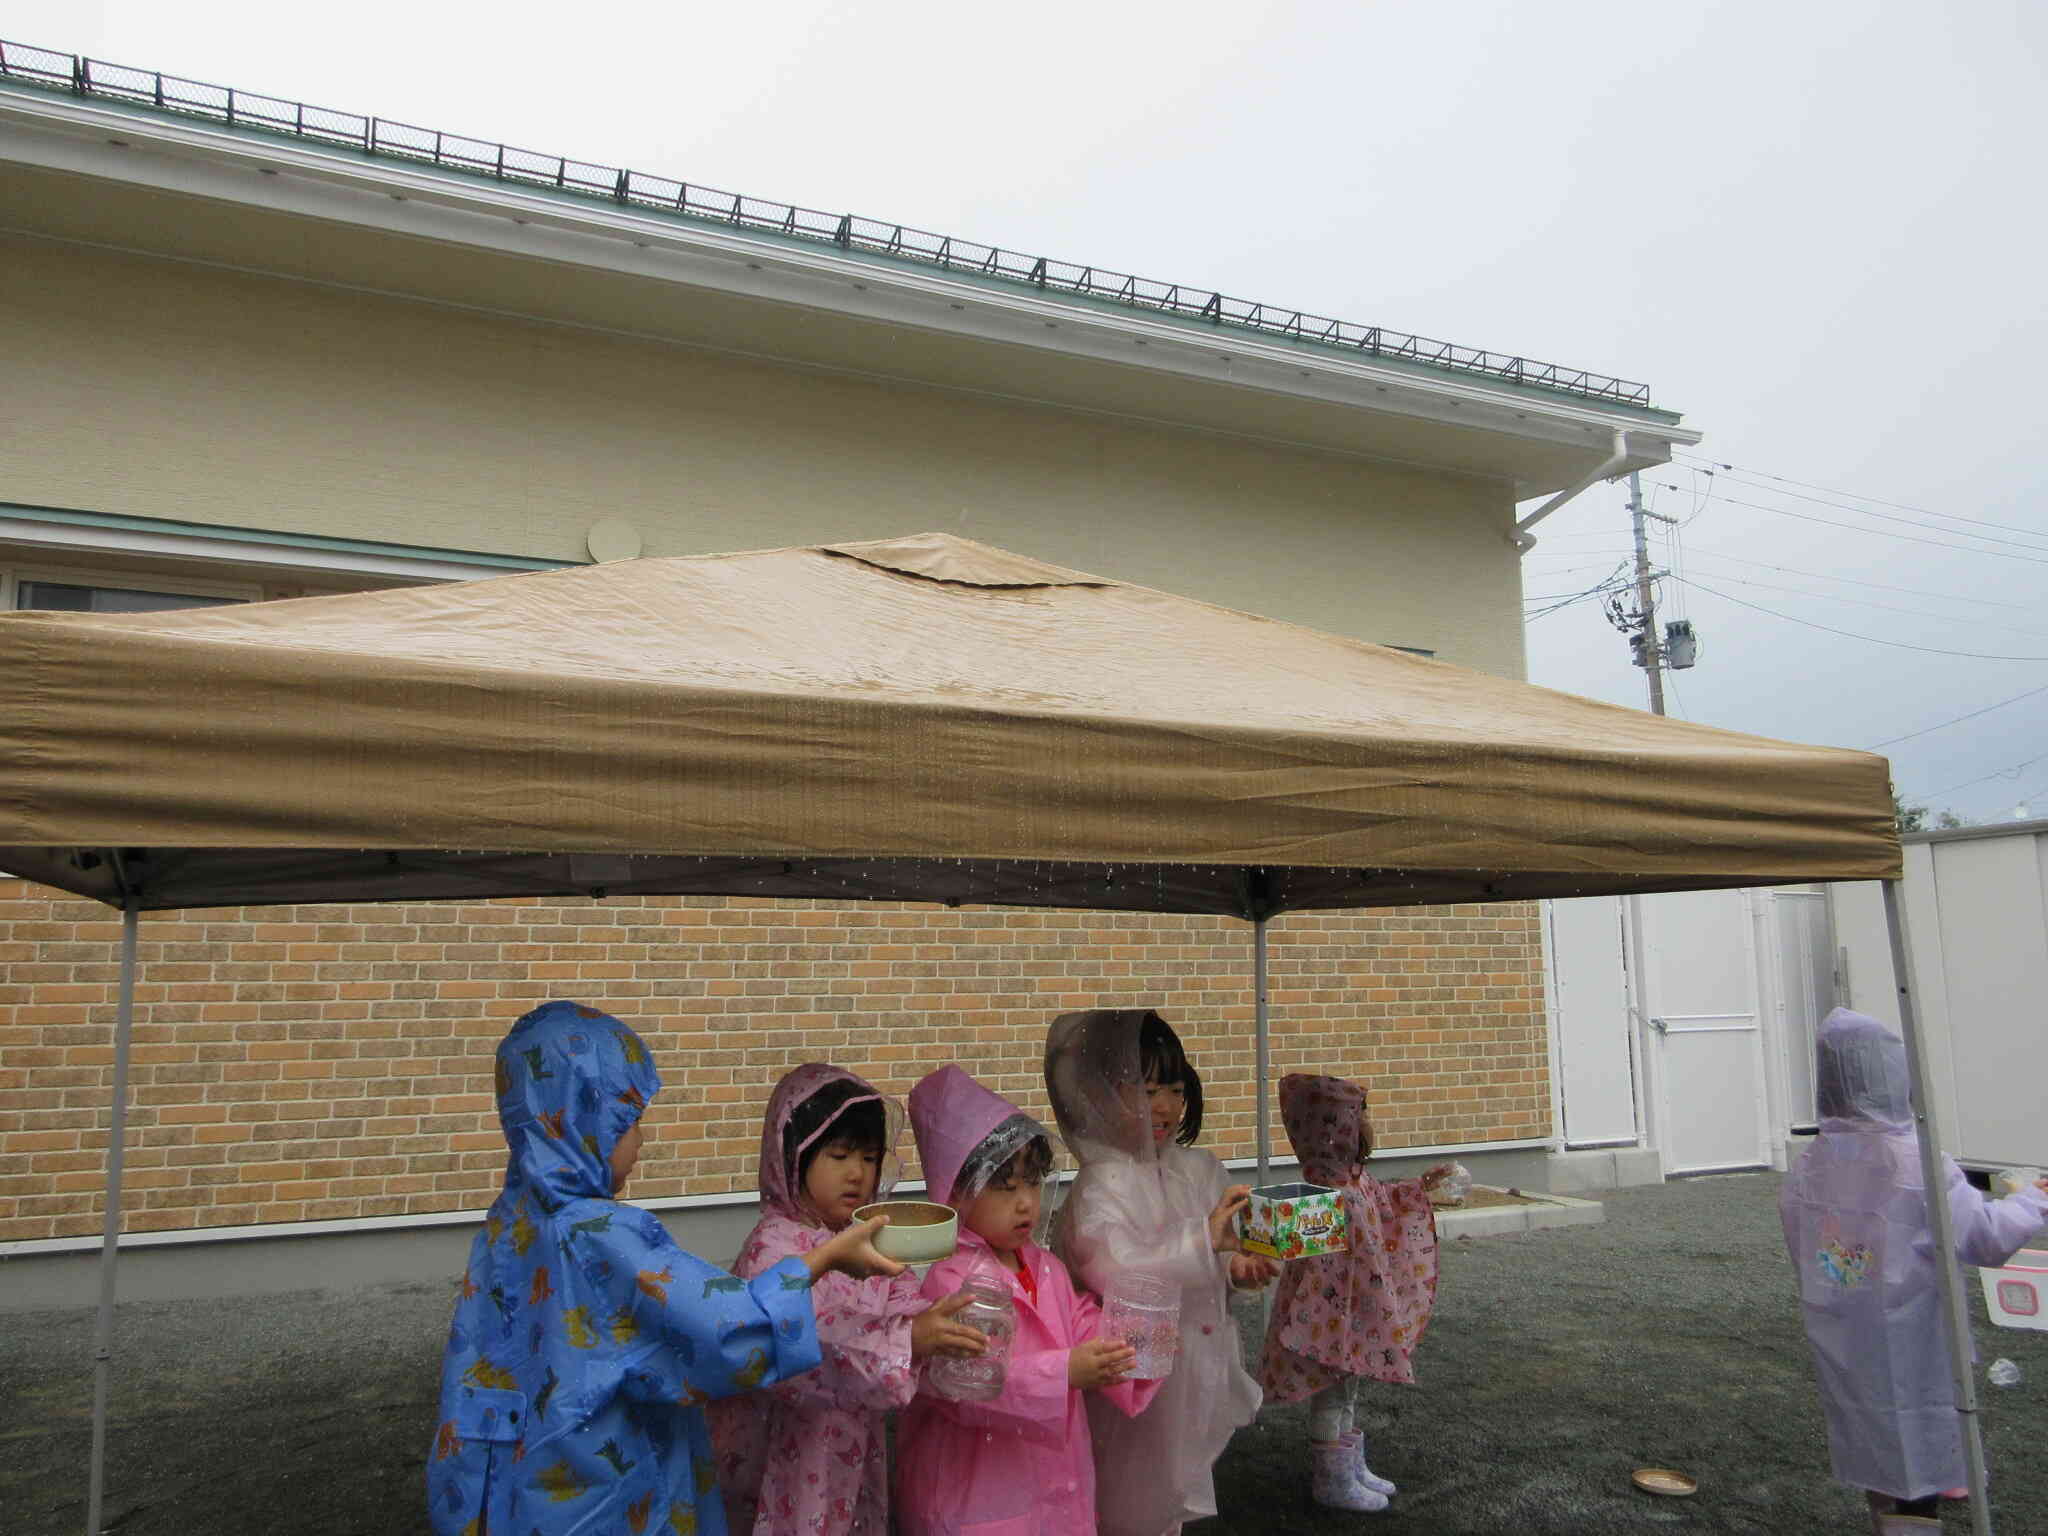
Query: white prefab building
point(1977, 900)
point(1683, 1025)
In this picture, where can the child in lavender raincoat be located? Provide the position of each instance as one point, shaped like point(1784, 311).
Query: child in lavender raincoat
point(1855, 1212)
point(1020, 1463)
point(806, 1455)
point(1358, 1313)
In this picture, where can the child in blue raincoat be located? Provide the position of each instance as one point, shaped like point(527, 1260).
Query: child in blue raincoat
point(584, 1339)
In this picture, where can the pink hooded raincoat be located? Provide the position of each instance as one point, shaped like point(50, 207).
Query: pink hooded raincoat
point(1359, 1313)
point(807, 1455)
point(1137, 1207)
point(1018, 1464)
point(1855, 1213)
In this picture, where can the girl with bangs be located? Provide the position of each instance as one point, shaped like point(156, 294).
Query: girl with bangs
point(807, 1454)
point(1129, 1105)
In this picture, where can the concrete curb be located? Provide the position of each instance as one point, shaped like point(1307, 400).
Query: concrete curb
point(1500, 1220)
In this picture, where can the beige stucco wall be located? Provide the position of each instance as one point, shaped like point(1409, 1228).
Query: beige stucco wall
point(154, 388)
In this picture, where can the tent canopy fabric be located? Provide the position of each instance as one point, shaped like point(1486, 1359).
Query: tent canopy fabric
point(923, 718)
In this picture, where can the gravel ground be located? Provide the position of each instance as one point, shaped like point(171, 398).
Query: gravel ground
point(1557, 1362)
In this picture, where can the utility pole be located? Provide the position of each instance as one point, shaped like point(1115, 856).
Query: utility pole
point(1649, 649)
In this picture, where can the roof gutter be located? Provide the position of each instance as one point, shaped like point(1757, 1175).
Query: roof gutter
point(1523, 540)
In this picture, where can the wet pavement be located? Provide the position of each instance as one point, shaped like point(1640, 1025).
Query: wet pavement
point(1558, 1361)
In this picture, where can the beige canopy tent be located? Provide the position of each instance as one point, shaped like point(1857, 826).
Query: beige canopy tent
point(927, 719)
point(923, 719)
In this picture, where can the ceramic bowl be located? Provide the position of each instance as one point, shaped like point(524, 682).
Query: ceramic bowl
point(919, 1231)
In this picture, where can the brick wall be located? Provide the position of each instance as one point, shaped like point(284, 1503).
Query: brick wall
point(301, 1063)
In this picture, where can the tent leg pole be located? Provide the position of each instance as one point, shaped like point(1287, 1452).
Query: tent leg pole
point(1261, 1033)
point(103, 1334)
point(1955, 1312)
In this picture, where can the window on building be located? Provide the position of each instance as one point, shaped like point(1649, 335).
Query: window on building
point(65, 597)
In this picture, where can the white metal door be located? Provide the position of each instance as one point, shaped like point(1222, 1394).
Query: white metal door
point(1702, 999)
point(1590, 1022)
point(1805, 991)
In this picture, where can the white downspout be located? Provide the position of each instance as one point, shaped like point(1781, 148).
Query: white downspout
point(1523, 540)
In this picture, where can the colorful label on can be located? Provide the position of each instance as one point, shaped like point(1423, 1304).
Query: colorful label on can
point(1294, 1221)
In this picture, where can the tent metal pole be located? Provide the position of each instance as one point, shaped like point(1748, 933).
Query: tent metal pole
point(1261, 1033)
point(1933, 1178)
point(103, 1333)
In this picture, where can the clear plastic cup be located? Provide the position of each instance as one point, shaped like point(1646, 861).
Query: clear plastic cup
point(1145, 1313)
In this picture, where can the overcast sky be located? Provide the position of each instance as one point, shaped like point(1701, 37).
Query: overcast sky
point(1815, 229)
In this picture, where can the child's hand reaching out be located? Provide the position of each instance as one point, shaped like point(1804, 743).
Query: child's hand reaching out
point(1099, 1363)
point(934, 1331)
point(852, 1252)
point(1222, 1220)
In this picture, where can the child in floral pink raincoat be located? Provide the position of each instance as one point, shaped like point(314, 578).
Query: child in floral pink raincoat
point(806, 1455)
point(1360, 1313)
point(1018, 1464)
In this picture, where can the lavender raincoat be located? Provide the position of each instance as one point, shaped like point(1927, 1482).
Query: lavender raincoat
point(1019, 1464)
point(1855, 1215)
point(808, 1454)
point(1137, 1207)
point(584, 1338)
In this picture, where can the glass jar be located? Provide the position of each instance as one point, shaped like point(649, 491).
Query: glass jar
point(989, 1311)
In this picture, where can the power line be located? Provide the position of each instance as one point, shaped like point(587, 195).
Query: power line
point(1807, 517)
point(1959, 719)
point(1789, 570)
point(1996, 773)
point(1850, 635)
point(1864, 602)
point(1711, 466)
point(1559, 606)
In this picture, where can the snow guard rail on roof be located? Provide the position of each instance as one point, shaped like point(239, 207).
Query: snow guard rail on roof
point(78, 75)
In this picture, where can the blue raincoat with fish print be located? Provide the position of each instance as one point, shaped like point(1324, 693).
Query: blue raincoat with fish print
point(584, 1339)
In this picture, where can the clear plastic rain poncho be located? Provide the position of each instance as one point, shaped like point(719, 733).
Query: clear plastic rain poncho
point(809, 1453)
point(584, 1339)
point(1139, 1207)
point(1855, 1215)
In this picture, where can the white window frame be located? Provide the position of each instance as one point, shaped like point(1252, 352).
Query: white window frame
point(11, 578)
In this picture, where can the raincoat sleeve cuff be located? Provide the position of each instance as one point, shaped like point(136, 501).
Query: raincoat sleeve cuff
point(784, 1293)
point(1131, 1397)
point(1989, 1232)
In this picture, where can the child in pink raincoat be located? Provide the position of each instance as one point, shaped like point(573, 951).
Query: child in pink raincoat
point(1360, 1313)
point(1148, 1201)
point(1018, 1464)
point(806, 1455)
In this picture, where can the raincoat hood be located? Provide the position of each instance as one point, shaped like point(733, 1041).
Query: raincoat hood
point(951, 1115)
point(1096, 1078)
point(1325, 1118)
point(571, 1081)
point(781, 1190)
point(1860, 1074)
